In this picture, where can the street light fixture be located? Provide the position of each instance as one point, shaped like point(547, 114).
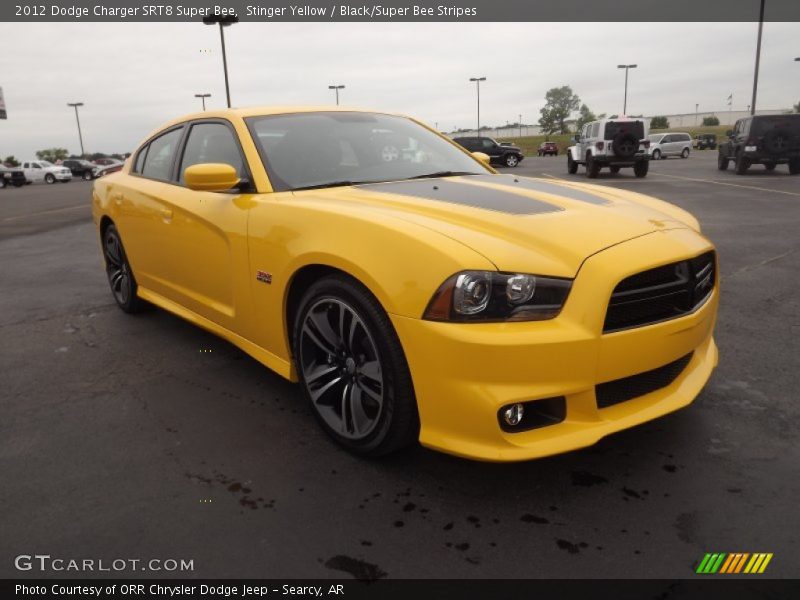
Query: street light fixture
point(477, 81)
point(223, 21)
point(625, 101)
point(203, 98)
point(336, 88)
point(75, 105)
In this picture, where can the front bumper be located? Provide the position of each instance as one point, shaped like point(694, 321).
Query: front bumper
point(63, 176)
point(464, 373)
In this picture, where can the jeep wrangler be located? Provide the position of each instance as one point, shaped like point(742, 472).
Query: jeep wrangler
point(612, 143)
point(769, 140)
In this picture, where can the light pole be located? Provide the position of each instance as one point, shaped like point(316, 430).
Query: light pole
point(75, 105)
point(477, 81)
point(336, 88)
point(203, 98)
point(223, 21)
point(436, 125)
point(696, 108)
point(520, 125)
point(758, 58)
point(625, 101)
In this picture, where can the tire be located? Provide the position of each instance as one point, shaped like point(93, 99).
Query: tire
point(625, 145)
point(776, 141)
point(19, 184)
point(685, 153)
point(614, 169)
point(794, 166)
point(87, 175)
point(572, 166)
point(118, 271)
point(592, 167)
point(341, 329)
point(49, 179)
point(511, 160)
point(555, 153)
point(3, 183)
point(640, 168)
point(722, 162)
point(770, 166)
point(656, 154)
point(742, 164)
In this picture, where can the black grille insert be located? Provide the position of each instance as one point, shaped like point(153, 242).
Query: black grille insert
point(627, 388)
point(660, 294)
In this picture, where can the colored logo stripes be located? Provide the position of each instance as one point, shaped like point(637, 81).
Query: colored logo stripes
point(735, 562)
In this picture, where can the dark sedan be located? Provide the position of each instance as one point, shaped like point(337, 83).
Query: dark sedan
point(81, 168)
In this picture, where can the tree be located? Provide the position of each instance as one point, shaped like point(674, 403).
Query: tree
point(586, 116)
point(659, 123)
point(560, 102)
point(11, 161)
point(710, 121)
point(52, 154)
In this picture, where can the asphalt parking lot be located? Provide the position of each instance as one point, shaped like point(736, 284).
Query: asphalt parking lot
point(145, 437)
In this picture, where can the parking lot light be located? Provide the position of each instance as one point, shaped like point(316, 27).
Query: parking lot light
point(625, 101)
point(336, 88)
point(223, 21)
point(477, 81)
point(203, 98)
point(75, 105)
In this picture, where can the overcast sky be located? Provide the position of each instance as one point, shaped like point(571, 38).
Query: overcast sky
point(134, 76)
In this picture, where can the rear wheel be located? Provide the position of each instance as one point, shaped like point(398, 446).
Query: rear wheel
point(49, 178)
point(572, 166)
point(2, 183)
point(592, 167)
point(511, 160)
point(685, 153)
point(640, 168)
point(119, 273)
point(352, 368)
point(722, 162)
point(742, 164)
point(87, 175)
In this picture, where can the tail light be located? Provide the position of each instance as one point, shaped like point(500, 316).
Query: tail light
point(600, 145)
point(646, 143)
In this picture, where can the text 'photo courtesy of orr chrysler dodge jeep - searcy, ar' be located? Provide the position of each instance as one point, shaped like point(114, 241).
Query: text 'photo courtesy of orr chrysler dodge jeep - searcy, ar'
point(416, 294)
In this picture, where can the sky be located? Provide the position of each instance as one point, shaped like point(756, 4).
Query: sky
point(132, 77)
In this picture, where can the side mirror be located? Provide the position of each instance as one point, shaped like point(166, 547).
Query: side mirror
point(210, 177)
point(729, 133)
point(484, 158)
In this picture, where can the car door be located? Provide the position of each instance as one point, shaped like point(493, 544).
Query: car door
point(208, 230)
point(490, 148)
point(37, 172)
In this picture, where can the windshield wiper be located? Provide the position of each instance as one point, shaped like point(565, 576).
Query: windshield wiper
point(443, 174)
point(329, 184)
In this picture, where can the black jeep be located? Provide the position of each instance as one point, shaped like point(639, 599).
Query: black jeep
point(506, 155)
point(706, 141)
point(769, 140)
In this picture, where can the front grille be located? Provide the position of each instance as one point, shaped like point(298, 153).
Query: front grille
point(627, 388)
point(660, 294)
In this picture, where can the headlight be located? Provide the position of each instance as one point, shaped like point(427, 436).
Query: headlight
point(481, 296)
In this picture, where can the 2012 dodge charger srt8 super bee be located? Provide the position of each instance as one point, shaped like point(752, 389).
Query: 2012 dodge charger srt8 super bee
point(418, 294)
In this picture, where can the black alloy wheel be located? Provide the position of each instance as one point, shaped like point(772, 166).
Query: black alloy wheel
point(120, 277)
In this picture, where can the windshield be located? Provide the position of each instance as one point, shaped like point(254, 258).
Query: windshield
point(319, 149)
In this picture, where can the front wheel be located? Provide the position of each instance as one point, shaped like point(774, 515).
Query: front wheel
point(742, 164)
point(49, 178)
point(352, 368)
point(722, 163)
point(511, 160)
point(685, 153)
point(640, 168)
point(572, 166)
point(119, 273)
point(656, 154)
point(87, 175)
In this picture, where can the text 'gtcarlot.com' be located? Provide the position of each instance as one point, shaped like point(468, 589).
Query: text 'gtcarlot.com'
point(45, 562)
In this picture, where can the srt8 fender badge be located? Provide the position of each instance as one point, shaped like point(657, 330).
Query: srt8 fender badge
point(263, 277)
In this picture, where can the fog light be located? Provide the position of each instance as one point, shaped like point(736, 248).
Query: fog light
point(513, 414)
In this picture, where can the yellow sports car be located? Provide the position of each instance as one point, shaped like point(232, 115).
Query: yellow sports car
point(411, 290)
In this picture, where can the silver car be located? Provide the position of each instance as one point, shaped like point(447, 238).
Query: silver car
point(663, 145)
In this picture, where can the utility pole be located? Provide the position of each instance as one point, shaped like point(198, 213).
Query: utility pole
point(758, 58)
point(625, 101)
point(75, 105)
point(223, 21)
point(203, 98)
point(336, 88)
point(477, 81)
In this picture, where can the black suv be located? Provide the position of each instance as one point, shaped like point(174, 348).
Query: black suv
point(706, 140)
point(508, 156)
point(81, 168)
point(762, 139)
point(11, 176)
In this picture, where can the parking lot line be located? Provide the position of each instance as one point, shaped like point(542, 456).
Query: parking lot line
point(739, 185)
point(44, 212)
point(614, 181)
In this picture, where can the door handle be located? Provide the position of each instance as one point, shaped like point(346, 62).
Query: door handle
point(166, 215)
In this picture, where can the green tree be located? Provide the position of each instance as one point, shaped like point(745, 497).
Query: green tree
point(52, 154)
point(710, 121)
point(11, 161)
point(659, 123)
point(559, 103)
point(586, 116)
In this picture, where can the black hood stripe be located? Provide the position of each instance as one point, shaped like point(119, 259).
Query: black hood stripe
point(544, 187)
point(461, 192)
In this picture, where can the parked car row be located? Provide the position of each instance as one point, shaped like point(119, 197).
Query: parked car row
point(43, 171)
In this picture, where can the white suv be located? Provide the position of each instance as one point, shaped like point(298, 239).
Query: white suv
point(663, 145)
point(612, 143)
point(42, 170)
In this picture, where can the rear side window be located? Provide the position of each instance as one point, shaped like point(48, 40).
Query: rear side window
point(634, 127)
point(788, 123)
point(211, 143)
point(160, 155)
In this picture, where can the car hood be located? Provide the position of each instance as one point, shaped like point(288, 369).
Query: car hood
point(521, 224)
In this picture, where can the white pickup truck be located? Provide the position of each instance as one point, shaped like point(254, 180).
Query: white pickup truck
point(42, 170)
